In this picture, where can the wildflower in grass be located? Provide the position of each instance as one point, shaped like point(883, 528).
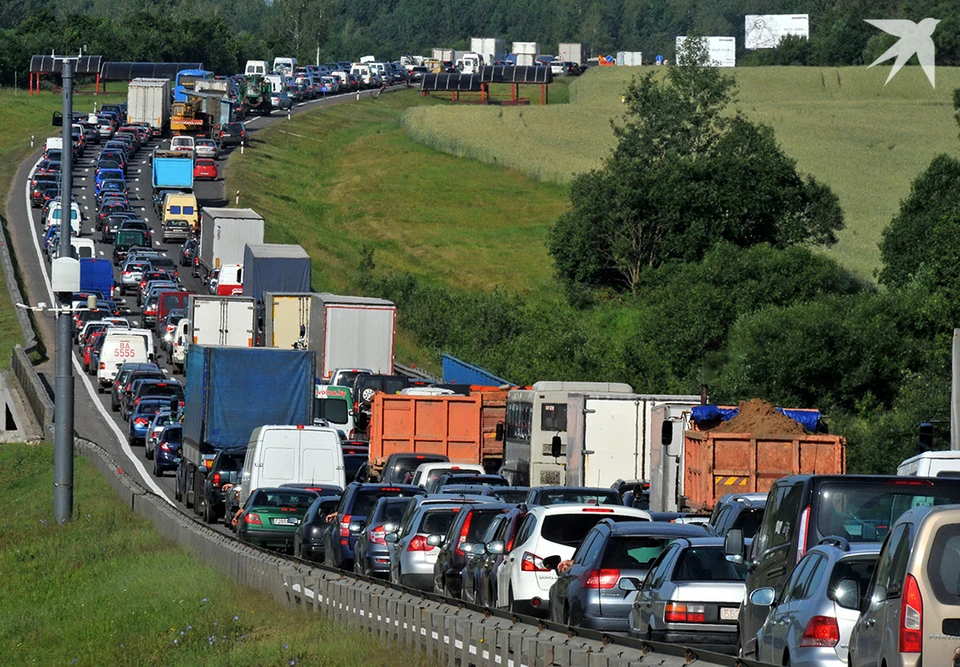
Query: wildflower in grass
point(236, 618)
point(203, 600)
point(176, 641)
point(285, 647)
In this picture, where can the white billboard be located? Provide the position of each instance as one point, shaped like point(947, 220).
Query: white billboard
point(722, 51)
point(764, 31)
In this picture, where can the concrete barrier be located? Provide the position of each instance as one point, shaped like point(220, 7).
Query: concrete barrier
point(9, 271)
point(32, 390)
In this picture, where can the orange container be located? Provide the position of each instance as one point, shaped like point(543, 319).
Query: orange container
point(716, 464)
point(426, 424)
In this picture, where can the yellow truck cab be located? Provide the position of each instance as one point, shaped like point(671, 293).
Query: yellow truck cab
point(181, 206)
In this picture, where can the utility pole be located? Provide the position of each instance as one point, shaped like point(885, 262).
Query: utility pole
point(63, 394)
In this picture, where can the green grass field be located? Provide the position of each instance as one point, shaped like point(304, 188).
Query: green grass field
point(866, 140)
point(106, 589)
point(20, 117)
point(346, 176)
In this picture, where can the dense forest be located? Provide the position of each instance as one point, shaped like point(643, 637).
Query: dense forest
point(224, 33)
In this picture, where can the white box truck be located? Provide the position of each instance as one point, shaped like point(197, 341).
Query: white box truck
point(224, 235)
point(610, 435)
point(526, 53)
point(571, 52)
point(351, 332)
point(932, 464)
point(148, 101)
point(221, 320)
point(490, 48)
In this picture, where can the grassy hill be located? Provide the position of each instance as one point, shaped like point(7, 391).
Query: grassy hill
point(866, 140)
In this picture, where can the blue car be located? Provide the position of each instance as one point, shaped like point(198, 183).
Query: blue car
point(142, 415)
point(167, 453)
point(105, 175)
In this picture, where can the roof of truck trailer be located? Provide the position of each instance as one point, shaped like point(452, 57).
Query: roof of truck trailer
point(550, 385)
point(330, 299)
point(233, 213)
point(277, 250)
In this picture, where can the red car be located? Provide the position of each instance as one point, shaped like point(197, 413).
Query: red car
point(205, 168)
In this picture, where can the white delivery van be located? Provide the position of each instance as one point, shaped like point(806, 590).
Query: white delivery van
point(181, 341)
point(119, 347)
point(53, 143)
point(83, 247)
point(255, 68)
point(278, 82)
point(932, 464)
point(291, 454)
point(182, 142)
point(53, 216)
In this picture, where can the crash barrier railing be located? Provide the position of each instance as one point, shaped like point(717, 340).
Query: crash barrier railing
point(438, 628)
point(32, 390)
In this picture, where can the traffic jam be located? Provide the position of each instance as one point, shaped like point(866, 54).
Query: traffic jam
point(281, 416)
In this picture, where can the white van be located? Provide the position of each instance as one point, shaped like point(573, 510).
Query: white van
point(53, 216)
point(284, 65)
point(278, 82)
point(431, 472)
point(362, 71)
point(255, 68)
point(932, 464)
point(182, 142)
point(291, 454)
point(181, 340)
point(120, 346)
point(53, 143)
point(83, 247)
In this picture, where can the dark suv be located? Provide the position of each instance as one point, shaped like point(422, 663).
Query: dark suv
point(226, 468)
point(366, 387)
point(355, 504)
point(468, 527)
point(804, 509)
point(739, 510)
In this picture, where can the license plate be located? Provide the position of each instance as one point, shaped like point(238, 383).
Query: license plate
point(285, 522)
point(729, 613)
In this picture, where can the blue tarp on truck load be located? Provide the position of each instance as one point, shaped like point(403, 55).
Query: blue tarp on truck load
point(456, 371)
point(275, 267)
point(172, 170)
point(232, 390)
point(808, 418)
point(96, 275)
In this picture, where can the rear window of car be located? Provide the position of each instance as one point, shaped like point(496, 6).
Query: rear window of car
point(230, 463)
point(706, 564)
point(170, 301)
point(569, 529)
point(942, 570)
point(437, 521)
point(352, 464)
point(366, 498)
point(865, 512)
point(749, 521)
point(572, 496)
point(480, 520)
point(173, 434)
point(860, 569)
point(284, 498)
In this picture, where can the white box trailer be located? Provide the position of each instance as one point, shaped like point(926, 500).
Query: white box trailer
point(221, 320)
point(148, 101)
point(352, 332)
point(572, 52)
point(224, 235)
point(629, 58)
point(490, 48)
point(610, 436)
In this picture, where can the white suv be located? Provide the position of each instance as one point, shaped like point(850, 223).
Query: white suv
point(523, 581)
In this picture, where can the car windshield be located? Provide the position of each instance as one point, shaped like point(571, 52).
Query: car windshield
point(707, 564)
point(864, 512)
point(283, 498)
point(568, 496)
point(332, 409)
point(569, 529)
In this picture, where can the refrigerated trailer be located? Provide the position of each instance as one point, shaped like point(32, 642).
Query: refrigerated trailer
point(221, 320)
point(224, 234)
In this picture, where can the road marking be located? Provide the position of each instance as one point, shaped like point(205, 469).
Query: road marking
point(101, 253)
point(124, 445)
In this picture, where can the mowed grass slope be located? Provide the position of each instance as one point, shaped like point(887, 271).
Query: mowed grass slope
point(866, 140)
point(106, 589)
point(20, 117)
point(347, 176)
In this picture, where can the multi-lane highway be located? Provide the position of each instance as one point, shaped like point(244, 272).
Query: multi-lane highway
point(94, 420)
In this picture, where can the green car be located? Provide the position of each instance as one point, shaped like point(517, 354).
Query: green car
point(270, 517)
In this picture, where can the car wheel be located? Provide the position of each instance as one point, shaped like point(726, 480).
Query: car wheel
point(209, 516)
point(148, 453)
point(114, 407)
point(156, 470)
point(356, 566)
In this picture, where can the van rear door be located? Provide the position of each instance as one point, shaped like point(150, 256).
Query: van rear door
point(278, 459)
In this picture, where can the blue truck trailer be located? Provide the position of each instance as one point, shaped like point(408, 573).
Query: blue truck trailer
point(172, 170)
point(229, 392)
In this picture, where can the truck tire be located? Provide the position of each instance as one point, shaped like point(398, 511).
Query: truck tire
point(188, 486)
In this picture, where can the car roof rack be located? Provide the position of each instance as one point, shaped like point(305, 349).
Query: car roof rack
point(841, 543)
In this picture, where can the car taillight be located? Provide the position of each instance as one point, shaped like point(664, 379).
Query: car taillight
point(683, 613)
point(802, 543)
point(532, 563)
point(216, 479)
point(605, 579)
point(254, 519)
point(103, 366)
point(140, 421)
point(345, 525)
point(377, 535)
point(419, 543)
point(165, 447)
point(911, 617)
point(821, 631)
point(463, 533)
point(137, 402)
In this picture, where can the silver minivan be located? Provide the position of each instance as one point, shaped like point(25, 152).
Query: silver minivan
point(911, 615)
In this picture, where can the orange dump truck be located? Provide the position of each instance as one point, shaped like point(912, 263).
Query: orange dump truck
point(694, 468)
point(462, 427)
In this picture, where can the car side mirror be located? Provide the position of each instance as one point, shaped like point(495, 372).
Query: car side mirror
point(552, 562)
point(763, 597)
point(500, 431)
point(847, 593)
point(628, 584)
point(477, 549)
point(391, 538)
point(733, 543)
point(434, 540)
point(556, 445)
point(496, 547)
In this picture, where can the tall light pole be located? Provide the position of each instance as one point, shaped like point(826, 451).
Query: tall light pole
point(63, 389)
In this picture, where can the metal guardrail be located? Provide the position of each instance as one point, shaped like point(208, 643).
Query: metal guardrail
point(442, 629)
point(415, 373)
point(32, 390)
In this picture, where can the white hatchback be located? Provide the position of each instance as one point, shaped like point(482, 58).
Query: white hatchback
point(523, 581)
